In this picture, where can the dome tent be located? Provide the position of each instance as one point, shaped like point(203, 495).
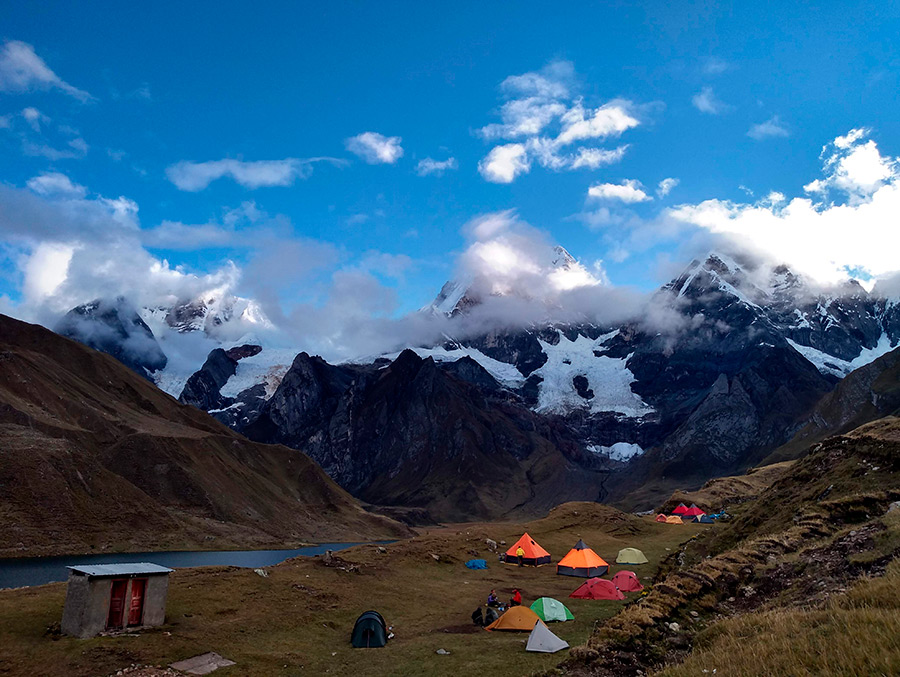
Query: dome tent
point(627, 581)
point(660, 518)
point(674, 519)
point(517, 618)
point(534, 555)
point(631, 556)
point(582, 561)
point(369, 631)
point(550, 609)
point(597, 588)
point(544, 641)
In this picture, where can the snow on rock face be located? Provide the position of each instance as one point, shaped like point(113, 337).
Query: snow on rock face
point(620, 451)
point(570, 363)
point(267, 367)
point(828, 364)
point(506, 374)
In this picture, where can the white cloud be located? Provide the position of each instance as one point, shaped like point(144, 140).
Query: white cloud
point(34, 118)
point(55, 183)
point(195, 176)
point(504, 163)
point(375, 148)
point(715, 66)
point(824, 239)
point(706, 101)
point(21, 70)
point(544, 116)
point(771, 128)
point(430, 166)
point(597, 157)
point(854, 166)
point(609, 120)
point(629, 191)
point(665, 186)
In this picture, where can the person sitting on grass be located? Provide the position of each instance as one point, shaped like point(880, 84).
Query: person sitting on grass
point(492, 599)
point(516, 598)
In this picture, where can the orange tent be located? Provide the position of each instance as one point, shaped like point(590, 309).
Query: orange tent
point(517, 618)
point(582, 561)
point(534, 555)
point(673, 519)
point(660, 518)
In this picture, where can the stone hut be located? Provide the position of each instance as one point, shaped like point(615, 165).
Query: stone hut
point(113, 597)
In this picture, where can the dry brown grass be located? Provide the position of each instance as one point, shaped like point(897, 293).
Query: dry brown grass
point(857, 633)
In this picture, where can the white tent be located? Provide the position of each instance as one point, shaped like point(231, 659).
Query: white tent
point(541, 639)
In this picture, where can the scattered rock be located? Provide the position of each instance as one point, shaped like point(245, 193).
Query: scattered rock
point(441, 652)
point(694, 614)
point(674, 627)
point(261, 572)
point(382, 549)
point(436, 558)
point(894, 506)
point(491, 544)
point(202, 664)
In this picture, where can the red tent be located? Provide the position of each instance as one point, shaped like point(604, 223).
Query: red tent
point(693, 511)
point(627, 581)
point(660, 518)
point(680, 510)
point(597, 588)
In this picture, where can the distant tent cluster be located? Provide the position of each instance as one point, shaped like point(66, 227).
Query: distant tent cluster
point(683, 514)
point(370, 629)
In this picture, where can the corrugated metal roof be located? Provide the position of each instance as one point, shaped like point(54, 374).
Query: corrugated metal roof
point(123, 569)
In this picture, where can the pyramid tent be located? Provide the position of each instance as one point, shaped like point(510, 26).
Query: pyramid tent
point(660, 518)
point(631, 556)
point(517, 618)
point(582, 561)
point(550, 609)
point(535, 555)
point(627, 581)
point(541, 639)
point(597, 588)
point(680, 510)
point(693, 511)
point(673, 519)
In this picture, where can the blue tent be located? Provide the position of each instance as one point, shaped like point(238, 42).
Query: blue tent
point(476, 564)
point(706, 519)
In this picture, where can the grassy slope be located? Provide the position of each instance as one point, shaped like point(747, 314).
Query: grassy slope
point(302, 614)
point(725, 492)
point(818, 529)
point(93, 457)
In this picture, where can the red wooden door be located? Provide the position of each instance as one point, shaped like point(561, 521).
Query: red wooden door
point(136, 608)
point(116, 604)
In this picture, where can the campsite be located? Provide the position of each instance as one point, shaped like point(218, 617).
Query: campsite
point(299, 618)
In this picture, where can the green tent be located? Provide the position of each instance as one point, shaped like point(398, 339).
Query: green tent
point(631, 556)
point(550, 609)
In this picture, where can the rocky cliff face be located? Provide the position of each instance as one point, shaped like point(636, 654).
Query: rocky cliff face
point(414, 434)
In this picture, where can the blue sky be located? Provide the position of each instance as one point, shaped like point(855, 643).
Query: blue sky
point(732, 101)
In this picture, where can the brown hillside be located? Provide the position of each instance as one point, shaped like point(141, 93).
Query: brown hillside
point(94, 457)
